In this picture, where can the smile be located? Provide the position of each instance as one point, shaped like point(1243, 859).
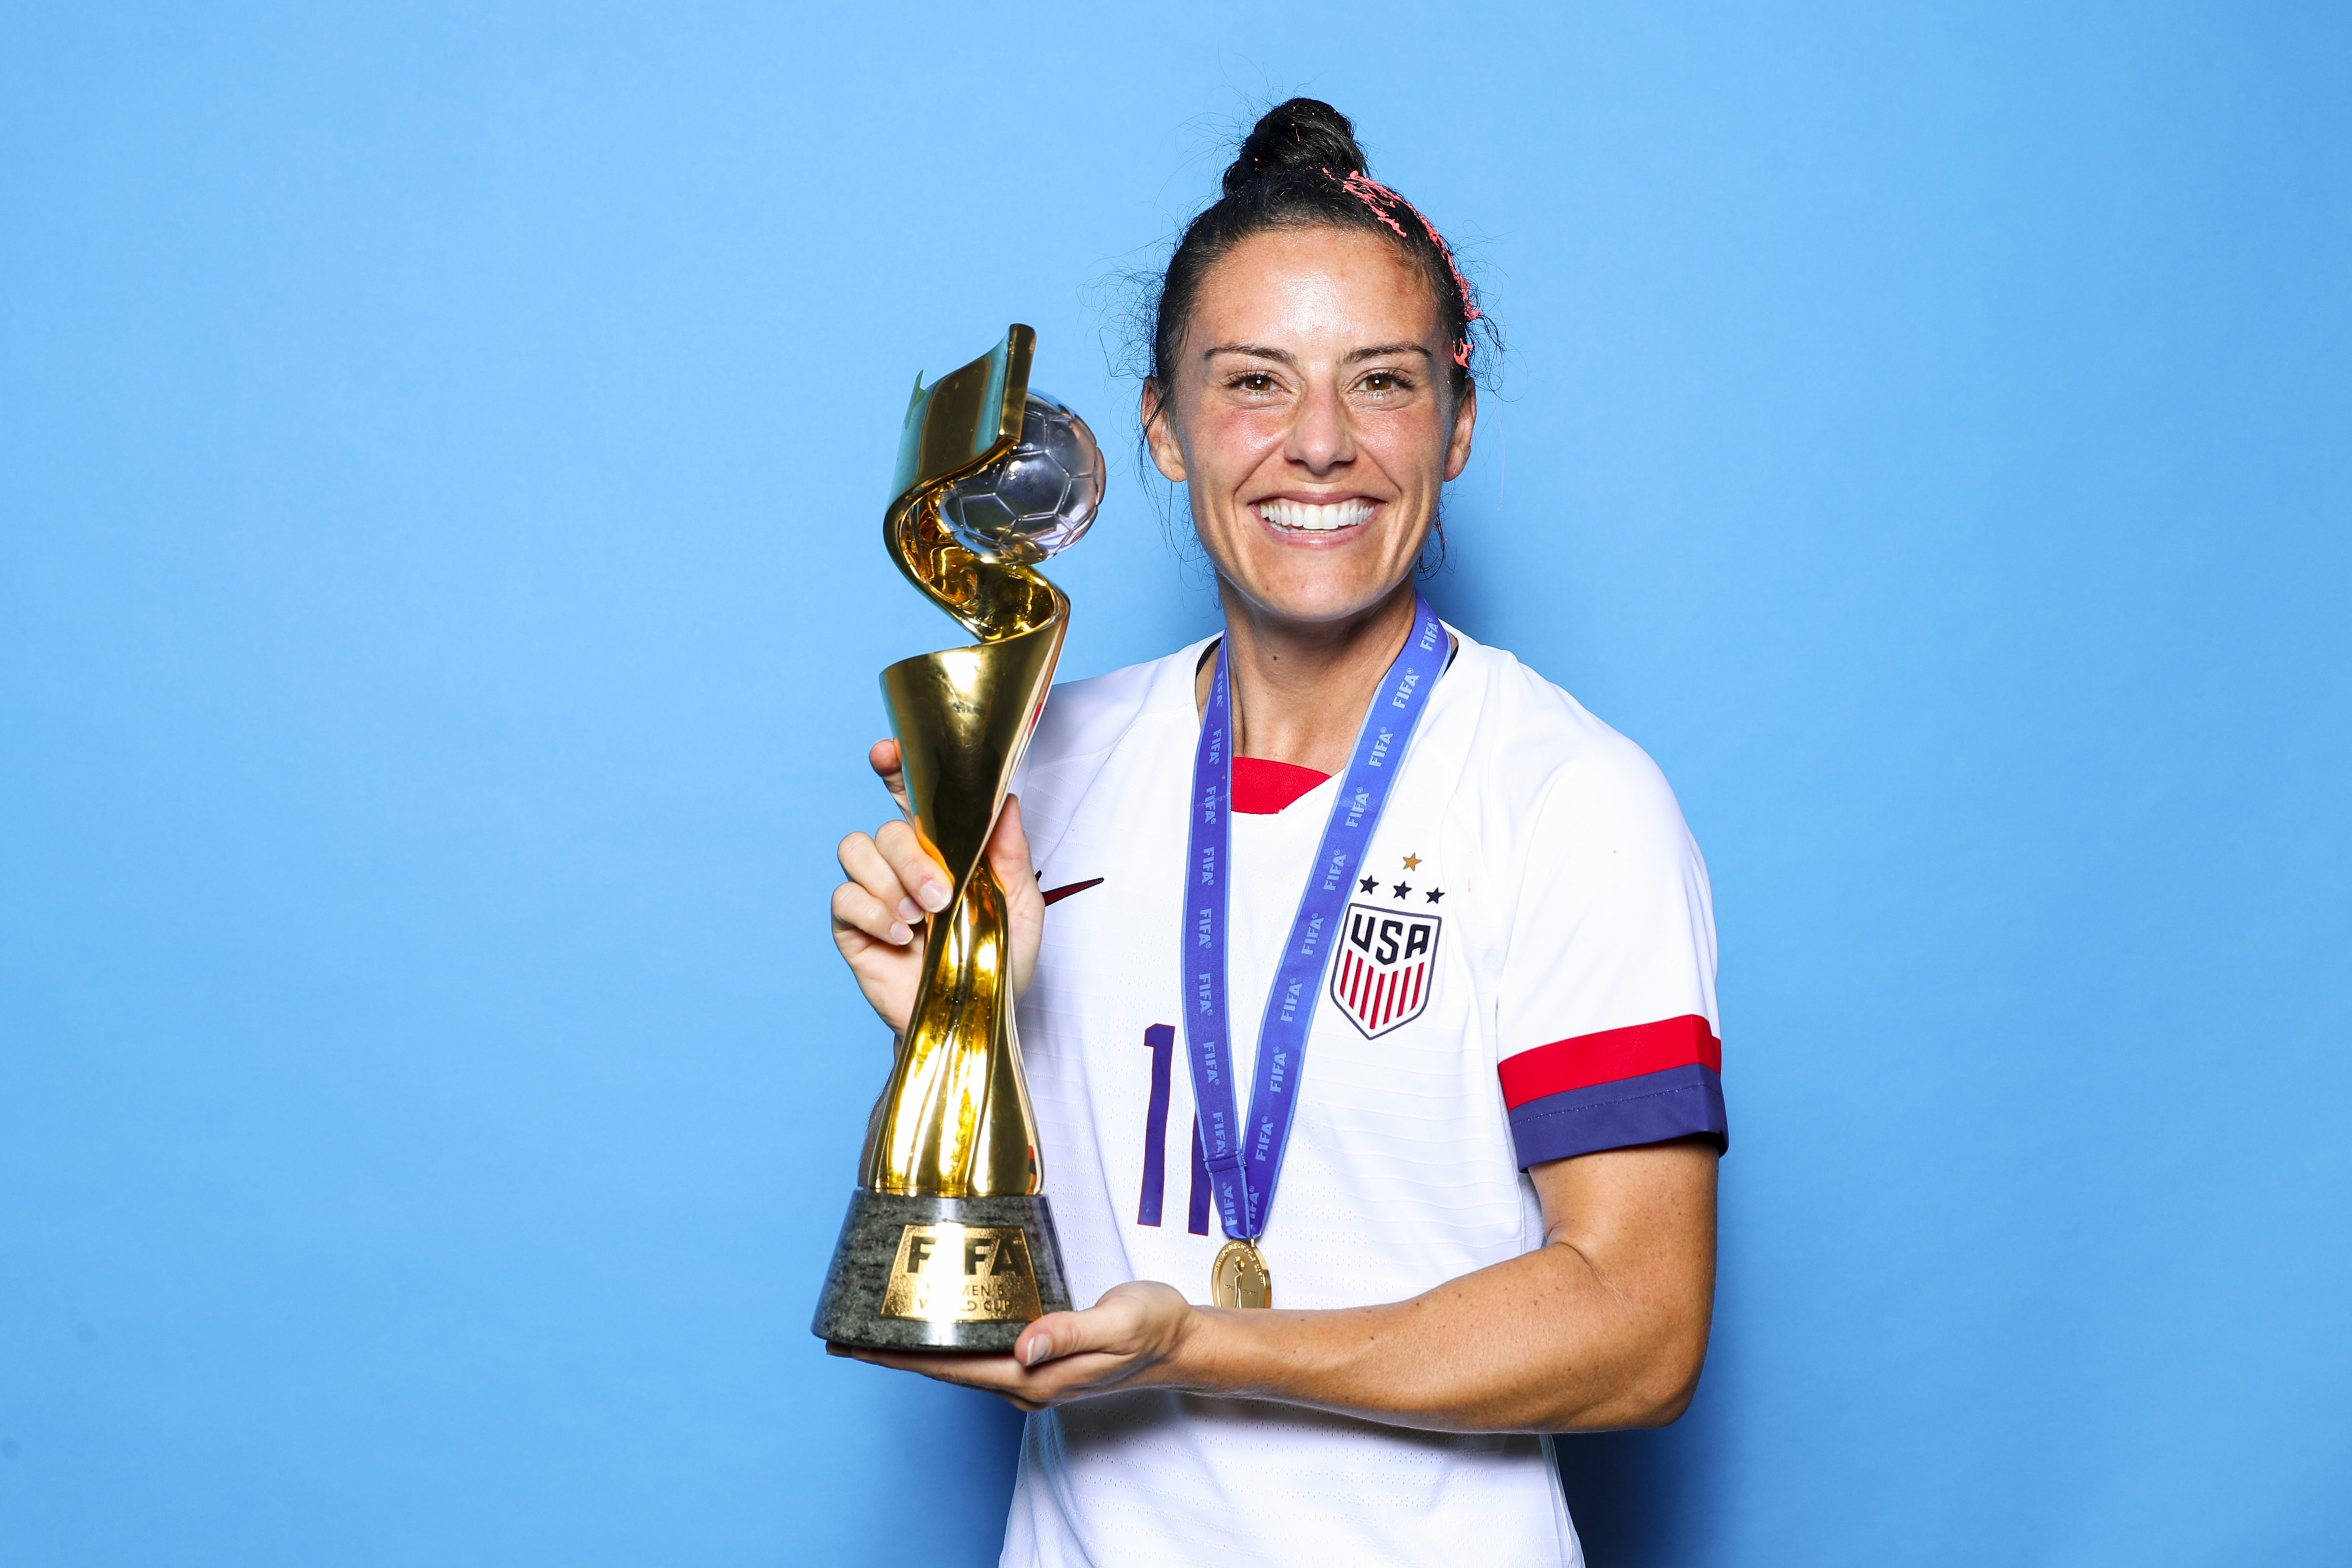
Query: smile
point(1307, 518)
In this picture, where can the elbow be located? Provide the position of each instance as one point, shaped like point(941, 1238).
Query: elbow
point(1661, 1378)
point(1665, 1407)
point(1658, 1399)
point(1654, 1391)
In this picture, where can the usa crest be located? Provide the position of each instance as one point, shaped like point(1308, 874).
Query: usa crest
point(1385, 966)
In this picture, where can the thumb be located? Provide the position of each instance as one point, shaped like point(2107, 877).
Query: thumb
point(1008, 846)
point(889, 764)
point(1051, 1336)
point(1117, 1324)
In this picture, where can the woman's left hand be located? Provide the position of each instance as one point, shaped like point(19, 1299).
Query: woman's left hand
point(1133, 1337)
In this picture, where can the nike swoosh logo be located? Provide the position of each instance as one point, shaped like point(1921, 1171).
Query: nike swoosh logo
point(1056, 895)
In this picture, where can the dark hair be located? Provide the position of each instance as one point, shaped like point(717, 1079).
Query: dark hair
point(1300, 168)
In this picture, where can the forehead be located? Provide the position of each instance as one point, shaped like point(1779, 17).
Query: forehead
point(1308, 288)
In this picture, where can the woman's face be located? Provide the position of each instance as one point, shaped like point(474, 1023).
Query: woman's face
point(1312, 417)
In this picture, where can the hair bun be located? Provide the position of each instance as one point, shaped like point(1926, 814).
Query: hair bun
point(1304, 133)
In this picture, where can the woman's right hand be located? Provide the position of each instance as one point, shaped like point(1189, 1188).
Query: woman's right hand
point(894, 886)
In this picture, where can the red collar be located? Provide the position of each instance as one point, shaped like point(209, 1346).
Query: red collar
point(1262, 788)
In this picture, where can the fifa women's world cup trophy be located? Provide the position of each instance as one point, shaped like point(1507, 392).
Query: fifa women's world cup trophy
point(948, 1244)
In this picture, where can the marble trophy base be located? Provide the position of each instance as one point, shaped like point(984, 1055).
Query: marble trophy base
point(941, 1273)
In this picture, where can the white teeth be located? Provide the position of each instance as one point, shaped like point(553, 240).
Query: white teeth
point(1308, 517)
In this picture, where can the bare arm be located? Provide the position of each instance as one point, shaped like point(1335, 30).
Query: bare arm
point(1602, 1326)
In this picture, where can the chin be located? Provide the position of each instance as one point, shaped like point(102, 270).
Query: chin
point(1324, 602)
point(1311, 576)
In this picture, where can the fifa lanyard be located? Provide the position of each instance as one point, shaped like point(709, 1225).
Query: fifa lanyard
point(1244, 1162)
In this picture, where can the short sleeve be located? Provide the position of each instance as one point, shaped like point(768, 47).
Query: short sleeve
point(1606, 1031)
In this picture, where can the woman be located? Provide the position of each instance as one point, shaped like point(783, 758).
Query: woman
point(1466, 1116)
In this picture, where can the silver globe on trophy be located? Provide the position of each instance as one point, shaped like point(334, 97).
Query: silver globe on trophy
point(949, 1243)
point(1037, 499)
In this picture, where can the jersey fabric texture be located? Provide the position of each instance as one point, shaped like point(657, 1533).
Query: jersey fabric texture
point(1527, 971)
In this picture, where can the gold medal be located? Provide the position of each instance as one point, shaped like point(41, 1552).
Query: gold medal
point(1239, 1278)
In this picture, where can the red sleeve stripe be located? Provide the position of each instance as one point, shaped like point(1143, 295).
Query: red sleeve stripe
point(1613, 1053)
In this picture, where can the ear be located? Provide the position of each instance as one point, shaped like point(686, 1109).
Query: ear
point(1465, 419)
point(1160, 434)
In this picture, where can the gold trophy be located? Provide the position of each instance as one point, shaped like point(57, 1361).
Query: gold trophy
point(948, 1244)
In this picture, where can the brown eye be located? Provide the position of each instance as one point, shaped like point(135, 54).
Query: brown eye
point(1381, 382)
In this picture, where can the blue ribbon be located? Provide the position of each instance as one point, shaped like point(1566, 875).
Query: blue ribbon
point(1245, 1160)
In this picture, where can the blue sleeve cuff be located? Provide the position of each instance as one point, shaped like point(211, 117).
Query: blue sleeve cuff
point(1679, 1102)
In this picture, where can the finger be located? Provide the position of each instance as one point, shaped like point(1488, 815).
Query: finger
point(1008, 845)
point(925, 880)
point(889, 764)
point(862, 861)
point(995, 1373)
point(1009, 856)
point(1057, 1334)
point(1141, 1317)
point(860, 911)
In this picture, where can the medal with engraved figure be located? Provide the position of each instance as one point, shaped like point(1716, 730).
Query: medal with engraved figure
point(1239, 1277)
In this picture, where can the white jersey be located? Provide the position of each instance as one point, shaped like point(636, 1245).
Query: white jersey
point(1528, 975)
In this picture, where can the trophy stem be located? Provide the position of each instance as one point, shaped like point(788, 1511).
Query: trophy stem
point(954, 1119)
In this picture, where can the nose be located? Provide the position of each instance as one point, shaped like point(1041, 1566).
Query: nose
point(1320, 436)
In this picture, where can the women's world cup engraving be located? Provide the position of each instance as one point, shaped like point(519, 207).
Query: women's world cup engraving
point(948, 1244)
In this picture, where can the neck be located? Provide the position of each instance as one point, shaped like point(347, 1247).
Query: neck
point(1300, 691)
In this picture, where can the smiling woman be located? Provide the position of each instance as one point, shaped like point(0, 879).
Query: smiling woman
point(1313, 412)
point(1447, 928)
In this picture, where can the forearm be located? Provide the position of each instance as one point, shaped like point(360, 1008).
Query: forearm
point(1542, 1343)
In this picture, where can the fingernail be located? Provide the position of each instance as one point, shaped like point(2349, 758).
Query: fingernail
point(935, 897)
point(900, 936)
point(1039, 1348)
point(909, 910)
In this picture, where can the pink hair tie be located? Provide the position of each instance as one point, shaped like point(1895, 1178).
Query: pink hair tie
point(1383, 202)
point(1379, 198)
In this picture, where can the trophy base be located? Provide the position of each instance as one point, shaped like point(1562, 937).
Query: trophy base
point(941, 1273)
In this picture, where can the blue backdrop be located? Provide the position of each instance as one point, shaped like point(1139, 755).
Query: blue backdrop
point(440, 592)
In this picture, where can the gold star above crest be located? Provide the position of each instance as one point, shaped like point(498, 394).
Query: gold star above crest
point(1412, 862)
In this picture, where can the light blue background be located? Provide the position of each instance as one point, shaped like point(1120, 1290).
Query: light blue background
point(439, 599)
